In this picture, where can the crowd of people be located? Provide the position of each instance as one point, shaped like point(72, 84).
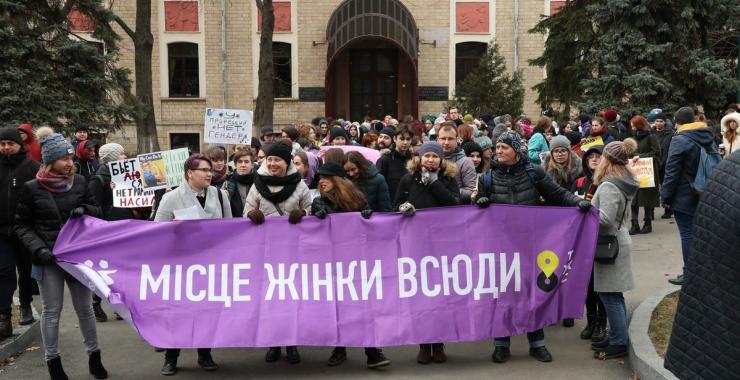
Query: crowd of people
point(303, 170)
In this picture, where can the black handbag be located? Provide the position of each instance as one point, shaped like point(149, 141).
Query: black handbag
point(607, 246)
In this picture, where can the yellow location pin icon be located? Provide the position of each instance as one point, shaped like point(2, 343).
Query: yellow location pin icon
point(548, 261)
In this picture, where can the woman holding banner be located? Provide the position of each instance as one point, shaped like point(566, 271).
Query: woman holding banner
point(648, 198)
point(210, 203)
point(616, 188)
point(514, 180)
point(338, 194)
point(430, 182)
point(278, 190)
point(46, 203)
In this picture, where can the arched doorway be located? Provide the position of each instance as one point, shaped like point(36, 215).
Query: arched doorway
point(371, 55)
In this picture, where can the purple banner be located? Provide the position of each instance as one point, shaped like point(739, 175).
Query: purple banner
point(443, 275)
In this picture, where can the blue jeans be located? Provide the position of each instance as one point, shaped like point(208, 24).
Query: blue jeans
point(616, 312)
point(536, 339)
point(685, 224)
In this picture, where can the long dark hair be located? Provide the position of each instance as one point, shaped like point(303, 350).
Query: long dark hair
point(345, 196)
point(362, 166)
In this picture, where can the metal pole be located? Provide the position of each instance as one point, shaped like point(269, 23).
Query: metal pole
point(516, 35)
point(224, 83)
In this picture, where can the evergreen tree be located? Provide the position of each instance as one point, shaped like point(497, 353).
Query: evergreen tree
point(637, 55)
point(52, 76)
point(489, 88)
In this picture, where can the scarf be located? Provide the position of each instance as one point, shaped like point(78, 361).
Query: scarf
point(55, 183)
point(245, 180)
point(220, 176)
point(288, 182)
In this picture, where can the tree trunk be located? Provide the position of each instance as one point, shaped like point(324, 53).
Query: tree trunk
point(146, 124)
point(265, 95)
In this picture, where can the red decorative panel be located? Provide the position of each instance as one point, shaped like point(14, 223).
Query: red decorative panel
point(181, 16)
point(555, 6)
point(282, 17)
point(80, 21)
point(472, 17)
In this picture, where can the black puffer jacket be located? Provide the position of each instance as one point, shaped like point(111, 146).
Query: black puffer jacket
point(41, 214)
point(704, 342)
point(15, 170)
point(442, 192)
point(99, 188)
point(523, 184)
point(393, 167)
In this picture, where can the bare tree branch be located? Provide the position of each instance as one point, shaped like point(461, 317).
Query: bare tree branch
point(125, 27)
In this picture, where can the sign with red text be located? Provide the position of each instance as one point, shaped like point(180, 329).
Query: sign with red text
point(643, 170)
point(128, 189)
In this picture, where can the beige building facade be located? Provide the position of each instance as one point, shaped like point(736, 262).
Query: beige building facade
point(350, 58)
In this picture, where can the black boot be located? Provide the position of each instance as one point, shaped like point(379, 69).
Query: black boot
point(96, 366)
point(100, 315)
point(569, 322)
point(588, 331)
point(600, 332)
point(56, 372)
point(647, 227)
point(6, 327)
point(635, 229)
point(667, 214)
point(26, 316)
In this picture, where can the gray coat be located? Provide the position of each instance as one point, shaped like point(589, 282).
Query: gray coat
point(612, 198)
point(184, 197)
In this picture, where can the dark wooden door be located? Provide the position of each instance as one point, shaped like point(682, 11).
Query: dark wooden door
point(373, 83)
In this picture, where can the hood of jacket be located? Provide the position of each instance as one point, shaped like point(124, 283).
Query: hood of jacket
point(28, 130)
point(586, 170)
point(698, 132)
point(627, 185)
point(455, 156)
point(447, 167)
point(80, 151)
point(730, 117)
point(372, 171)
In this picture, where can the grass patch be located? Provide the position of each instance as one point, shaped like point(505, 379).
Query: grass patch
point(661, 323)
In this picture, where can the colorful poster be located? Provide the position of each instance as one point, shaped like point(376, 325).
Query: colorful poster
point(589, 142)
point(126, 182)
point(644, 172)
point(227, 126)
point(431, 277)
point(163, 169)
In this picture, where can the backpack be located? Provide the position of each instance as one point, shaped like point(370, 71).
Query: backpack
point(488, 178)
point(708, 159)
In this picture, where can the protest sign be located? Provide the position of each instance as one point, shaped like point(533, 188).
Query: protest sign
point(163, 169)
point(644, 172)
point(590, 142)
point(227, 126)
point(174, 165)
point(371, 155)
point(399, 280)
point(128, 189)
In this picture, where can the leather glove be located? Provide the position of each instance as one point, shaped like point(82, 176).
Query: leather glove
point(407, 209)
point(295, 216)
point(366, 213)
point(428, 177)
point(321, 213)
point(483, 202)
point(584, 205)
point(45, 257)
point(256, 216)
point(77, 212)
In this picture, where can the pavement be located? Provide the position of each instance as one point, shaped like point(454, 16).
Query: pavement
point(656, 257)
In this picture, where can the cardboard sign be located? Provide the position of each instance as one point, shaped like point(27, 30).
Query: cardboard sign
point(227, 126)
point(643, 170)
point(163, 169)
point(126, 180)
point(589, 142)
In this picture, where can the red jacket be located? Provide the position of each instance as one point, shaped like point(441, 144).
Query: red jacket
point(33, 148)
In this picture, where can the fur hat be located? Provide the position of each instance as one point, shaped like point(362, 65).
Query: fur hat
point(619, 152)
point(110, 152)
point(281, 150)
point(431, 146)
point(53, 145)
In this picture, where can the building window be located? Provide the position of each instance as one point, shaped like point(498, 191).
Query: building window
point(185, 140)
point(183, 69)
point(282, 70)
point(467, 57)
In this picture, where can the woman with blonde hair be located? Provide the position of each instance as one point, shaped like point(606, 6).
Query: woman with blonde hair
point(616, 188)
point(730, 141)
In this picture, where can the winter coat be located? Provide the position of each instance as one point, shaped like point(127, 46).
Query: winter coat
point(703, 344)
point(664, 140)
point(86, 168)
point(576, 171)
point(466, 175)
point(536, 145)
point(41, 214)
point(299, 200)
point(15, 170)
point(99, 186)
point(683, 162)
point(618, 130)
point(648, 146)
point(523, 184)
point(376, 190)
point(184, 197)
point(323, 203)
point(442, 192)
point(32, 146)
point(393, 167)
point(731, 147)
point(613, 198)
point(234, 188)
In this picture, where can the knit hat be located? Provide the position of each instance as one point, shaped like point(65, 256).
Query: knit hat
point(11, 134)
point(388, 131)
point(53, 145)
point(281, 150)
point(468, 118)
point(439, 120)
point(332, 169)
point(511, 139)
point(653, 115)
point(498, 131)
point(660, 116)
point(559, 141)
point(337, 132)
point(431, 146)
point(619, 152)
point(82, 128)
point(110, 152)
point(610, 115)
point(484, 142)
point(470, 146)
point(684, 115)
